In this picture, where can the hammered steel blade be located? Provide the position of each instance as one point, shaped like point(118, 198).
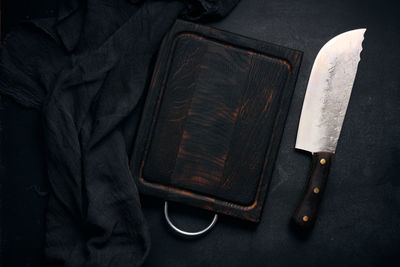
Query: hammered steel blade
point(328, 92)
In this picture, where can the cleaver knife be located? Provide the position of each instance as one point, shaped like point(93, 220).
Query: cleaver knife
point(324, 108)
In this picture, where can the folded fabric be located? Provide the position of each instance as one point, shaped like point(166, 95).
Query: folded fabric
point(87, 71)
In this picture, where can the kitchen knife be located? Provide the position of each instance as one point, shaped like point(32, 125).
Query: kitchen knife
point(327, 96)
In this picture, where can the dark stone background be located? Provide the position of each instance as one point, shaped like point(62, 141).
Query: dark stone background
point(359, 221)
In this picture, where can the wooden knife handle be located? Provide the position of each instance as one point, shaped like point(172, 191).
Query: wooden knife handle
point(306, 213)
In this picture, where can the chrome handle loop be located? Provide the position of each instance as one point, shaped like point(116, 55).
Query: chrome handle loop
point(185, 233)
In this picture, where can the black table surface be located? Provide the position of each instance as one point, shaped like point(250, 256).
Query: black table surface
point(359, 220)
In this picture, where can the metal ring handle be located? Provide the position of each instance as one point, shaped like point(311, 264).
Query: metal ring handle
point(185, 233)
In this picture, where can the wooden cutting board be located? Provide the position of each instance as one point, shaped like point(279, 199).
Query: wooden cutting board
point(213, 120)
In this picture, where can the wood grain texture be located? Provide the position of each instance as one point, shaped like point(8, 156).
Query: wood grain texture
point(213, 120)
point(306, 213)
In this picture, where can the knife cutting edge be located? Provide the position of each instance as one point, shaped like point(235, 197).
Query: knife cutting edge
point(324, 108)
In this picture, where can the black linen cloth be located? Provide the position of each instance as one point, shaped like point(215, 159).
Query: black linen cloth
point(87, 71)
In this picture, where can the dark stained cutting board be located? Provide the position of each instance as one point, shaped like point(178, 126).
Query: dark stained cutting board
point(213, 120)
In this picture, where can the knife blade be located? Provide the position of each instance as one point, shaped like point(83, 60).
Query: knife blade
point(324, 108)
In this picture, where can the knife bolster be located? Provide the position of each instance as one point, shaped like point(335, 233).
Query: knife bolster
point(306, 213)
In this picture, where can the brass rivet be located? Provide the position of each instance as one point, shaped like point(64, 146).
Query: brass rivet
point(305, 218)
point(322, 161)
point(316, 190)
